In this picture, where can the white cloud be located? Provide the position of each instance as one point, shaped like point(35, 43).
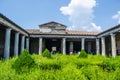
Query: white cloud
point(117, 16)
point(80, 14)
point(95, 27)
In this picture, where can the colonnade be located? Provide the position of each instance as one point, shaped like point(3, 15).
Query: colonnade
point(103, 50)
point(16, 43)
point(23, 38)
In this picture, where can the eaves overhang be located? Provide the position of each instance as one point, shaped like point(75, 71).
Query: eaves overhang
point(109, 31)
point(61, 36)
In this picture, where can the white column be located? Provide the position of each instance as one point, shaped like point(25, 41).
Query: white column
point(103, 46)
point(64, 46)
point(113, 44)
point(27, 44)
point(97, 47)
point(16, 44)
point(40, 46)
point(23, 43)
point(83, 43)
point(7, 43)
point(71, 46)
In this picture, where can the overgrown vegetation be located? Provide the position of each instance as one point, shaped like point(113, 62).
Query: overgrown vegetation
point(46, 53)
point(83, 54)
point(24, 62)
point(60, 67)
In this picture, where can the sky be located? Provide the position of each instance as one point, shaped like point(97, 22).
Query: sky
point(86, 15)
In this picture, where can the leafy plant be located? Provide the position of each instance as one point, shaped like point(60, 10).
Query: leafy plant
point(116, 75)
point(24, 62)
point(46, 53)
point(83, 54)
point(60, 67)
point(50, 66)
point(81, 64)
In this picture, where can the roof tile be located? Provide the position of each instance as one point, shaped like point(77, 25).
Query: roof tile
point(69, 32)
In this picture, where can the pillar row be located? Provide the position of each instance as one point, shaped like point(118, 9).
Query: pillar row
point(40, 46)
point(7, 43)
point(16, 44)
point(113, 43)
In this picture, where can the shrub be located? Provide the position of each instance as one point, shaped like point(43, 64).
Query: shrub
point(83, 54)
point(46, 53)
point(116, 75)
point(24, 62)
point(82, 64)
point(109, 65)
point(106, 65)
point(92, 72)
point(50, 66)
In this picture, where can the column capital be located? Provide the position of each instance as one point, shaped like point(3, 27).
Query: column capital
point(82, 38)
point(17, 33)
point(102, 37)
point(64, 38)
point(8, 29)
point(97, 38)
point(112, 34)
point(27, 38)
point(23, 35)
point(40, 38)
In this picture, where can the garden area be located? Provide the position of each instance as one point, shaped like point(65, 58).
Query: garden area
point(60, 67)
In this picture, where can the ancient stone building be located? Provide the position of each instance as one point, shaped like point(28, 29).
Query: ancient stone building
point(55, 37)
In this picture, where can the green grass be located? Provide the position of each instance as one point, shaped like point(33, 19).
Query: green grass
point(64, 67)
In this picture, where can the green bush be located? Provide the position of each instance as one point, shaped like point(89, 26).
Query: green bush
point(82, 64)
point(116, 75)
point(93, 72)
point(24, 62)
point(50, 66)
point(62, 67)
point(83, 54)
point(106, 65)
point(110, 64)
point(46, 53)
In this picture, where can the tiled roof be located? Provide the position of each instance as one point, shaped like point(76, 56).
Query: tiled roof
point(67, 32)
point(73, 32)
point(110, 29)
point(33, 31)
